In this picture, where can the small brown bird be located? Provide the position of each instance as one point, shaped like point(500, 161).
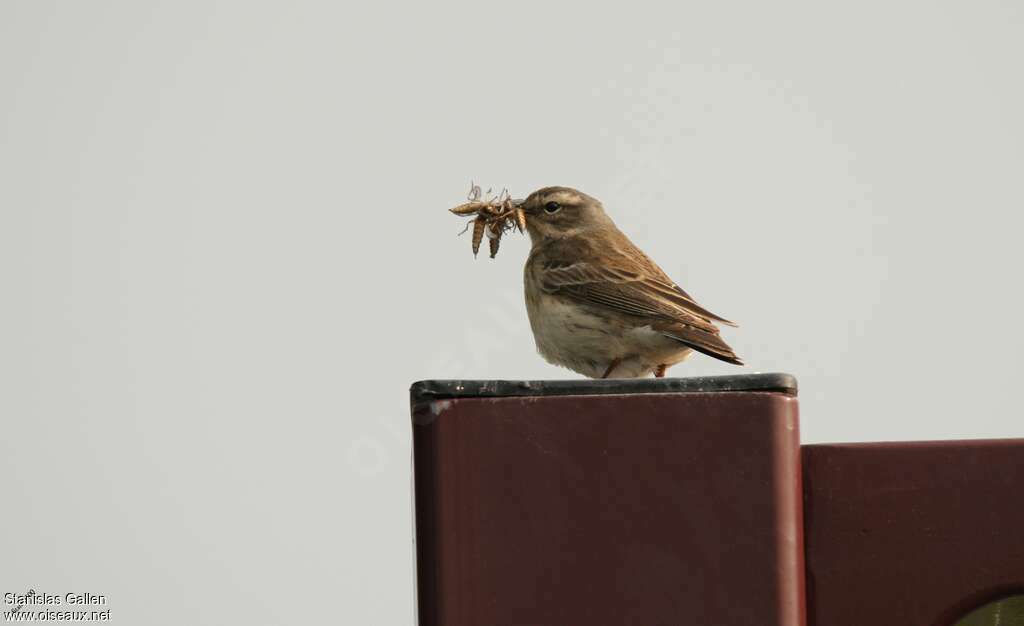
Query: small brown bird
point(597, 304)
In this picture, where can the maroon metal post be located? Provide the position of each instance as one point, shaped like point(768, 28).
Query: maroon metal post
point(912, 533)
point(653, 502)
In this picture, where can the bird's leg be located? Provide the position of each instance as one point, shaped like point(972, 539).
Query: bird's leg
point(659, 372)
point(611, 367)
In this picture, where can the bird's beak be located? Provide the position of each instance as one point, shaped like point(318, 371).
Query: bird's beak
point(518, 203)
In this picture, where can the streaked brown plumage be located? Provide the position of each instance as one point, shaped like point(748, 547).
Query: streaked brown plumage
point(597, 304)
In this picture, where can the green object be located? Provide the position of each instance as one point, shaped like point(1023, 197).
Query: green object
point(1003, 612)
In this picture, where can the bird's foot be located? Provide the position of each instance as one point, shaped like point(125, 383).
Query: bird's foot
point(659, 372)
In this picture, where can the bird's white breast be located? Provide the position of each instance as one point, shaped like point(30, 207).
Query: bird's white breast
point(574, 336)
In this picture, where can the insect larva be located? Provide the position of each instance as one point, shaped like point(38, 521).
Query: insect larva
point(495, 229)
point(520, 219)
point(478, 233)
point(469, 208)
point(495, 242)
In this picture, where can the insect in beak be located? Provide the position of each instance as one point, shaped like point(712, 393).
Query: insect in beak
point(520, 214)
point(494, 216)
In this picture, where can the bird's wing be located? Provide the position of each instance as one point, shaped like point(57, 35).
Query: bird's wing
point(632, 291)
point(656, 276)
point(662, 304)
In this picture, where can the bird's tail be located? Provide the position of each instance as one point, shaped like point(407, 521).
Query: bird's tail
point(709, 343)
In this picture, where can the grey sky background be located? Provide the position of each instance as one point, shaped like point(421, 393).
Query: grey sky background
point(225, 254)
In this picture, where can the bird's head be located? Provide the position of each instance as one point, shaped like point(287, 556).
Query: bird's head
point(554, 212)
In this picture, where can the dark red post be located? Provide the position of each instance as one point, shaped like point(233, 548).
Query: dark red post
point(912, 533)
point(653, 502)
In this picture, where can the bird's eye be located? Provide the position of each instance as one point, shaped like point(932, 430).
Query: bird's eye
point(552, 207)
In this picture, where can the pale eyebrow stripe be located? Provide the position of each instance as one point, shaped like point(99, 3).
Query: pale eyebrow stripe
point(564, 197)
